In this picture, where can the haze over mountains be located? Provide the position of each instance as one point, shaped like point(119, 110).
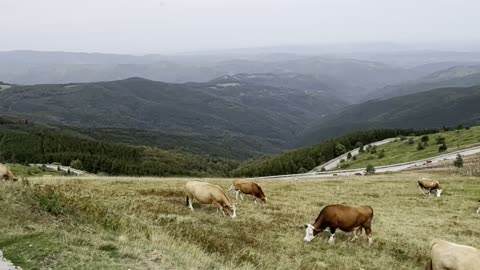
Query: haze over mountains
point(248, 102)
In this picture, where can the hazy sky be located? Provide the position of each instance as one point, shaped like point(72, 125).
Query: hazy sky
point(162, 26)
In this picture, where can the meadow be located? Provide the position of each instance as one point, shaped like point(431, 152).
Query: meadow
point(142, 223)
point(400, 151)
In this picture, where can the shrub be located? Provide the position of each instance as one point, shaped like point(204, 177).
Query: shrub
point(373, 149)
point(467, 128)
point(361, 150)
point(403, 138)
point(425, 139)
point(76, 164)
point(458, 162)
point(439, 139)
point(420, 146)
point(370, 169)
point(367, 149)
point(340, 149)
point(381, 154)
point(354, 158)
point(410, 141)
point(349, 155)
point(344, 165)
point(442, 148)
point(302, 170)
point(323, 169)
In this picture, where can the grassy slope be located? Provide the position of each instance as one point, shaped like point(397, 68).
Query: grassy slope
point(97, 223)
point(27, 171)
point(400, 151)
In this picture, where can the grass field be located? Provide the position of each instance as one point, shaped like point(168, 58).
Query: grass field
point(128, 223)
point(400, 151)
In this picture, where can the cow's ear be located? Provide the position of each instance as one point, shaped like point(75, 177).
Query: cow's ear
point(306, 226)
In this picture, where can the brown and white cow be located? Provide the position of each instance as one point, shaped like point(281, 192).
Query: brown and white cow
point(248, 188)
point(344, 217)
point(6, 173)
point(207, 193)
point(445, 255)
point(429, 186)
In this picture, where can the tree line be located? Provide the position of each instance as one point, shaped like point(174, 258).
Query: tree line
point(108, 158)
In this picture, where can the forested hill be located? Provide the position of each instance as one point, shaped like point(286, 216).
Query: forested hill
point(23, 142)
point(263, 119)
point(430, 109)
point(304, 160)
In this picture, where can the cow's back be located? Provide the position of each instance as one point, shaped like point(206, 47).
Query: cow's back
point(248, 187)
point(445, 255)
point(347, 217)
point(205, 192)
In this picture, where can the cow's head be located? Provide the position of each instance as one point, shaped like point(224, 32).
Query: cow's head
point(438, 192)
point(310, 233)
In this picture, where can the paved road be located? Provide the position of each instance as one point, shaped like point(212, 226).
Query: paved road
point(422, 163)
point(332, 164)
point(6, 264)
point(62, 168)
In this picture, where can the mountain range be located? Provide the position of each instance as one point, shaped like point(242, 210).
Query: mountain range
point(239, 107)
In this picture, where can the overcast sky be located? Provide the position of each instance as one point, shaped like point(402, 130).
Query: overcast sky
point(164, 26)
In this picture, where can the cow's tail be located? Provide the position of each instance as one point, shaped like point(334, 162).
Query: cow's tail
point(187, 200)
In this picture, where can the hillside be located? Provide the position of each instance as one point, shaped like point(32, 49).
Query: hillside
point(429, 109)
point(302, 82)
point(131, 223)
point(24, 142)
point(270, 117)
point(32, 67)
point(452, 77)
point(305, 159)
point(406, 148)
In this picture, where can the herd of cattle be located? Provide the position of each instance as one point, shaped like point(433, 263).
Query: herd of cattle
point(443, 255)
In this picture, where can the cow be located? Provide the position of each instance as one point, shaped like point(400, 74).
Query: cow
point(428, 186)
point(344, 217)
point(207, 193)
point(6, 173)
point(248, 188)
point(445, 255)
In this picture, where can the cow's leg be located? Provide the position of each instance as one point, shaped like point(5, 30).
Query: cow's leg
point(218, 206)
point(241, 196)
point(356, 233)
point(331, 240)
point(478, 210)
point(368, 230)
point(190, 203)
point(236, 194)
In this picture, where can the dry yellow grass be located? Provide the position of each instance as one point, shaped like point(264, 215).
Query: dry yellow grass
point(143, 223)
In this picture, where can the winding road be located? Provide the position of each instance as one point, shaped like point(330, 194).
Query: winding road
point(422, 163)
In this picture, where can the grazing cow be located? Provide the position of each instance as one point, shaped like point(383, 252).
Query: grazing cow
point(343, 217)
point(428, 186)
point(445, 255)
point(248, 188)
point(207, 193)
point(6, 173)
